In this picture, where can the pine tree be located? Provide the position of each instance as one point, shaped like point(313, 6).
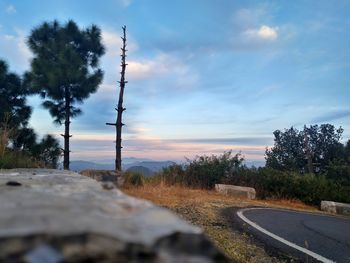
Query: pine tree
point(65, 70)
point(14, 111)
point(13, 99)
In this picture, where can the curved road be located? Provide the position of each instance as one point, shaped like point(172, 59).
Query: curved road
point(309, 237)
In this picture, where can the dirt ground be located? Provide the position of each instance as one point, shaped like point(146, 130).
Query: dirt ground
point(214, 213)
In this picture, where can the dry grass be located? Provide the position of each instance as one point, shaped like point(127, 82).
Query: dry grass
point(205, 209)
point(171, 196)
point(5, 133)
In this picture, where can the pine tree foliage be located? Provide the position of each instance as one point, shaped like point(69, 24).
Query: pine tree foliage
point(65, 69)
point(13, 99)
point(18, 142)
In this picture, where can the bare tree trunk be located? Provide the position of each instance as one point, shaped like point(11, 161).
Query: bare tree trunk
point(119, 124)
point(66, 130)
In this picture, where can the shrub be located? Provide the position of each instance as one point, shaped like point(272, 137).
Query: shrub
point(206, 171)
point(309, 188)
point(171, 175)
point(203, 171)
point(133, 179)
point(339, 173)
point(12, 159)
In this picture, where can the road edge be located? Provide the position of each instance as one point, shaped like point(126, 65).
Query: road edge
point(275, 237)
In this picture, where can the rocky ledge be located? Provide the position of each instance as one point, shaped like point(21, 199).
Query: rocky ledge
point(51, 216)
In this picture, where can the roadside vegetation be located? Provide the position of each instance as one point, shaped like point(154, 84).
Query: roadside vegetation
point(299, 173)
point(214, 213)
point(302, 168)
point(309, 165)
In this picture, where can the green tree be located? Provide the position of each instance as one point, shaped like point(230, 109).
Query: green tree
point(14, 112)
point(15, 137)
point(47, 151)
point(311, 150)
point(24, 139)
point(14, 109)
point(325, 145)
point(287, 152)
point(347, 152)
point(206, 171)
point(65, 70)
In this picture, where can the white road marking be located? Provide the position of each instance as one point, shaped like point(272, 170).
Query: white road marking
point(284, 241)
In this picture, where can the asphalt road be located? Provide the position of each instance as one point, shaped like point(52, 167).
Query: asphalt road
point(309, 237)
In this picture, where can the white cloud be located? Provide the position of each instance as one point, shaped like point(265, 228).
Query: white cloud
point(113, 43)
point(140, 70)
point(110, 62)
point(267, 32)
point(143, 69)
point(262, 33)
point(162, 65)
point(251, 28)
point(10, 9)
point(15, 50)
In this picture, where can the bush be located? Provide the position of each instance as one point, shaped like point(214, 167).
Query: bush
point(206, 171)
point(12, 159)
point(133, 179)
point(339, 173)
point(203, 171)
point(171, 175)
point(309, 188)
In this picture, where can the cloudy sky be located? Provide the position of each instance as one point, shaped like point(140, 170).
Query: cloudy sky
point(204, 76)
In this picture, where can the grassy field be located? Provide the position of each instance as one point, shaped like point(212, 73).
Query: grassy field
point(211, 211)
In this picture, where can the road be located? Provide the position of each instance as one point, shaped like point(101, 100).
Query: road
point(309, 237)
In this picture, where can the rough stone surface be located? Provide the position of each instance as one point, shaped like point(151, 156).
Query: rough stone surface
point(335, 208)
point(50, 215)
point(236, 191)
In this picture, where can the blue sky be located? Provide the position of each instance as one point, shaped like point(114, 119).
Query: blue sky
point(204, 76)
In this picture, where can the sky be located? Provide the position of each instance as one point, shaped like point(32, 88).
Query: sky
point(204, 76)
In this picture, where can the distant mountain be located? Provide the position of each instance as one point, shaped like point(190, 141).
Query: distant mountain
point(154, 166)
point(140, 169)
point(80, 165)
point(130, 160)
point(256, 163)
point(125, 160)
